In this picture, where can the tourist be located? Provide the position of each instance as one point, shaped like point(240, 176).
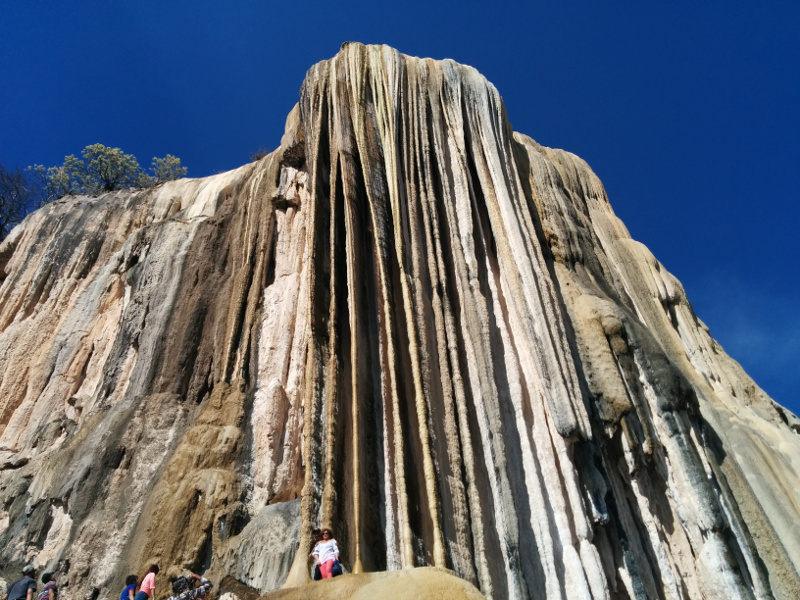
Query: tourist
point(327, 554)
point(49, 591)
point(191, 587)
point(23, 588)
point(130, 588)
point(148, 585)
point(317, 536)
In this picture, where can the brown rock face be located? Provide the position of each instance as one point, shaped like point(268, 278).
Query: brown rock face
point(409, 324)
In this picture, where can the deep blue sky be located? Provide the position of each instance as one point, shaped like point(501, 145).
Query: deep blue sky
point(689, 113)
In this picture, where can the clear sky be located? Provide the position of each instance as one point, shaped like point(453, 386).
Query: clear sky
point(688, 112)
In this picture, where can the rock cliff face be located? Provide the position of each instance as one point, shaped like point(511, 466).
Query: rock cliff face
point(408, 323)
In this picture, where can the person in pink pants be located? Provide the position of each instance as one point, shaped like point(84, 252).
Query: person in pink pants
point(326, 553)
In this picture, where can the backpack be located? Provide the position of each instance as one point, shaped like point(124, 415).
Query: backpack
point(336, 570)
point(180, 584)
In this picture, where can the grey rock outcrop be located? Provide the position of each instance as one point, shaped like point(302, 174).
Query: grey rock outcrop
point(408, 323)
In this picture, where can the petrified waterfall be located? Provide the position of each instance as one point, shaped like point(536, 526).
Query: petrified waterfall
point(408, 323)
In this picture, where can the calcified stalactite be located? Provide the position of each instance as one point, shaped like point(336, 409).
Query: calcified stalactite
point(409, 324)
point(416, 208)
point(441, 366)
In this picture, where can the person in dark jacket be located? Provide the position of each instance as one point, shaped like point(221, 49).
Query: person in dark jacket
point(23, 588)
point(316, 536)
point(196, 587)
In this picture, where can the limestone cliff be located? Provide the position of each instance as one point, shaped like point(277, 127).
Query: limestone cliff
point(408, 323)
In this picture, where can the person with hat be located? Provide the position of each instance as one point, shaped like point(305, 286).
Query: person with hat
point(23, 588)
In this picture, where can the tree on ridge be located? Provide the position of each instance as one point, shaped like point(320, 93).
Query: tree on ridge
point(15, 195)
point(103, 169)
point(100, 169)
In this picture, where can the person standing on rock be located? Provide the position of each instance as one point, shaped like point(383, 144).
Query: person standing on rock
point(148, 585)
point(23, 588)
point(49, 591)
point(326, 553)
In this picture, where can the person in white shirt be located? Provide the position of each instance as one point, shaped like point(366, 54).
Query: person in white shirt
point(327, 553)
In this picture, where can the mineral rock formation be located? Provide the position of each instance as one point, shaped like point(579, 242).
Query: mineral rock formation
point(408, 323)
point(411, 584)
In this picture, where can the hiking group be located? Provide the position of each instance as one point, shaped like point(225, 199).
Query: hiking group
point(324, 551)
point(185, 587)
point(24, 588)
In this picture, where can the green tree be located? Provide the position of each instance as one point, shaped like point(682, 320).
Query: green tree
point(101, 169)
point(104, 169)
point(15, 196)
point(167, 169)
point(52, 183)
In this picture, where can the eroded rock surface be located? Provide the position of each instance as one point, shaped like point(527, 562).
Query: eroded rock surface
point(423, 583)
point(408, 323)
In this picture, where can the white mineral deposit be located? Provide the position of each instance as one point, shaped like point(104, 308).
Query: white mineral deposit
point(408, 323)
